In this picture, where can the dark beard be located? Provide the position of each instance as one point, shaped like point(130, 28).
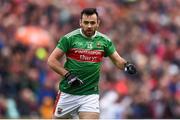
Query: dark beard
point(88, 35)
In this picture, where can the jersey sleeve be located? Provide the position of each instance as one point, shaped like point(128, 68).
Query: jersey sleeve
point(109, 48)
point(63, 44)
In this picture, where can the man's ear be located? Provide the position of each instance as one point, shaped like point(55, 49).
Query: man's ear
point(80, 22)
point(98, 22)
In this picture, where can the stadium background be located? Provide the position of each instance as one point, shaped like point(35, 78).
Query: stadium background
point(146, 32)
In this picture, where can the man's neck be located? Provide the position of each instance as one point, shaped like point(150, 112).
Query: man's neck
point(82, 32)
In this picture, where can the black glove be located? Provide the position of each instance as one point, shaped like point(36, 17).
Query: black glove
point(130, 68)
point(73, 80)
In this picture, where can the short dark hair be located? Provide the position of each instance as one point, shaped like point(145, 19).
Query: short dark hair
point(89, 11)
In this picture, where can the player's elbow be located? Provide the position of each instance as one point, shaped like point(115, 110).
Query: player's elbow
point(50, 61)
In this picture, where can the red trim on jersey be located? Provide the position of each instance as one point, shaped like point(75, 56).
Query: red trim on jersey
point(85, 55)
point(56, 101)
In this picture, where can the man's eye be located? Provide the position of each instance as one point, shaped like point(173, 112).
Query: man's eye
point(92, 23)
point(86, 22)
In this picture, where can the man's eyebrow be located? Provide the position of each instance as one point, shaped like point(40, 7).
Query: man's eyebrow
point(89, 20)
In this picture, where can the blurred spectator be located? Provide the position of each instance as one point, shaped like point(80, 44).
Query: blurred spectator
point(27, 104)
point(3, 106)
point(46, 108)
point(47, 89)
point(12, 109)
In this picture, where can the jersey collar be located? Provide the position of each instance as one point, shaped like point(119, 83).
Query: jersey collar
point(86, 36)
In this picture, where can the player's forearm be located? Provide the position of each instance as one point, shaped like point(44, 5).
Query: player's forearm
point(120, 63)
point(118, 60)
point(57, 67)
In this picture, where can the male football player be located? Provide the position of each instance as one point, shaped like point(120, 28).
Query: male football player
point(84, 49)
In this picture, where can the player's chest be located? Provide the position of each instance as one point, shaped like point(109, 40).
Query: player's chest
point(86, 50)
point(94, 44)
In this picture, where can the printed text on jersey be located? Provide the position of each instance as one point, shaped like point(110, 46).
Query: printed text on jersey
point(83, 55)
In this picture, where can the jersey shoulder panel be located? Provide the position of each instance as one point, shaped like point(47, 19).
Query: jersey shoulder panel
point(73, 33)
point(99, 34)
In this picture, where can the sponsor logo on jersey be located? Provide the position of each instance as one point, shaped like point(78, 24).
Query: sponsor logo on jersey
point(86, 55)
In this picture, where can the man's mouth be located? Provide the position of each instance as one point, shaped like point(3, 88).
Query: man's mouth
point(89, 31)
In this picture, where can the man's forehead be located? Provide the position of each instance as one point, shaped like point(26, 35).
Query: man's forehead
point(93, 16)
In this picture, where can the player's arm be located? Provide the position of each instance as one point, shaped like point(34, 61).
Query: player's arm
point(122, 64)
point(53, 62)
point(118, 60)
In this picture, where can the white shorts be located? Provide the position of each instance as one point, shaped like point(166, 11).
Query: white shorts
point(68, 106)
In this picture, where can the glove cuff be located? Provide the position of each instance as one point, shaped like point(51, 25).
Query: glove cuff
point(125, 65)
point(67, 74)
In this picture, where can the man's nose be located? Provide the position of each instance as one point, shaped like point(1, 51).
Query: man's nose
point(89, 25)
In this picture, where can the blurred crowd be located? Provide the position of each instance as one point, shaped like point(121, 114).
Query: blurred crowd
point(145, 32)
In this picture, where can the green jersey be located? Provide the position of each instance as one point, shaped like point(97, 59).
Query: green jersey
point(83, 59)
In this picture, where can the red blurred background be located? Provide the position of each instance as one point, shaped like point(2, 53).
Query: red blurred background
point(146, 32)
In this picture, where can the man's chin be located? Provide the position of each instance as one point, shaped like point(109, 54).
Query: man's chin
point(89, 34)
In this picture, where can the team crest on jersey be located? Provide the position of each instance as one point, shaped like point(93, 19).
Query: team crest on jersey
point(59, 110)
point(98, 45)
